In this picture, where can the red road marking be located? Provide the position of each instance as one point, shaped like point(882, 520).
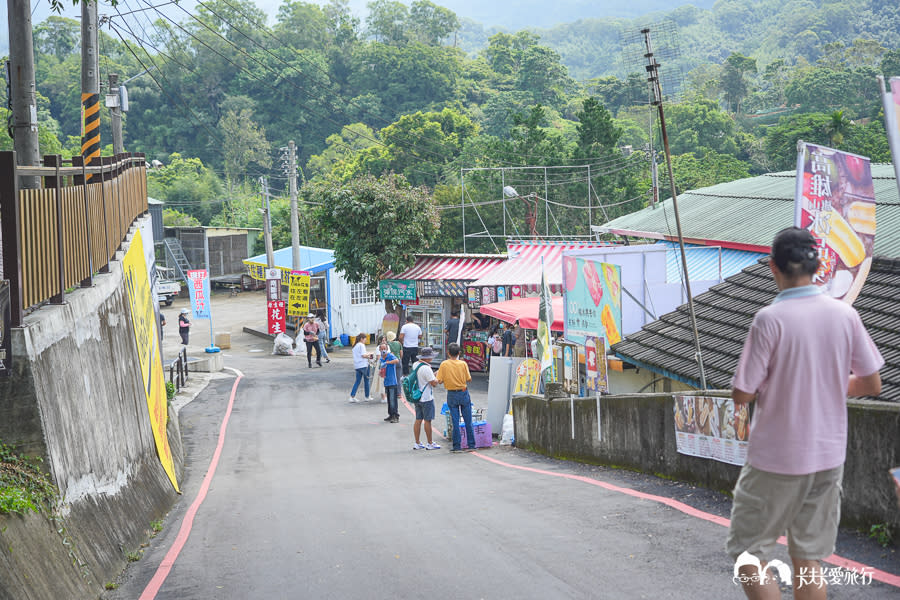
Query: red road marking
point(834, 559)
point(169, 561)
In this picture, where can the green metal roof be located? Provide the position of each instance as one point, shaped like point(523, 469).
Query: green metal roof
point(747, 213)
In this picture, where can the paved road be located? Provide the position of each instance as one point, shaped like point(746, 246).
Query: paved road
point(314, 497)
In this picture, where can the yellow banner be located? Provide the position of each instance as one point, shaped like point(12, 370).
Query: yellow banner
point(143, 317)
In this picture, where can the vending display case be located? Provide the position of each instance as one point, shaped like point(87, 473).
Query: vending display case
point(431, 320)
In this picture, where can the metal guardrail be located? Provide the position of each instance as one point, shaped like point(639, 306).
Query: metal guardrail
point(60, 235)
point(178, 370)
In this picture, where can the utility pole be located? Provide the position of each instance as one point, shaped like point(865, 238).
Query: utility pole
point(290, 169)
point(654, 177)
point(90, 85)
point(114, 104)
point(267, 224)
point(20, 78)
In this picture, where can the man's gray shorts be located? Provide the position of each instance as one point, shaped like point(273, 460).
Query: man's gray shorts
point(766, 505)
point(424, 410)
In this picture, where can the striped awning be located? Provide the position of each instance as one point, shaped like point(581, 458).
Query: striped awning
point(523, 267)
point(459, 267)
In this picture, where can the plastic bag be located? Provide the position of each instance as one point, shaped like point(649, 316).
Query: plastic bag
point(284, 345)
point(508, 435)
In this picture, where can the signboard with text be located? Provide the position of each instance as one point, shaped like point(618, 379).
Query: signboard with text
point(397, 289)
point(277, 316)
point(713, 428)
point(298, 294)
point(199, 289)
point(273, 284)
point(593, 299)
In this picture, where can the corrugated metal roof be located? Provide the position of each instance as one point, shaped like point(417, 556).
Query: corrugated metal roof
point(314, 260)
point(724, 314)
point(706, 263)
point(751, 211)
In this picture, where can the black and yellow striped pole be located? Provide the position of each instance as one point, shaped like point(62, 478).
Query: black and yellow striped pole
point(90, 86)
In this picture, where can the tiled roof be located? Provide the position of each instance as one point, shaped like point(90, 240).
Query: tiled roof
point(724, 314)
point(747, 213)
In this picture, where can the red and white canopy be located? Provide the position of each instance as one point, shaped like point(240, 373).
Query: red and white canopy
point(449, 267)
point(525, 311)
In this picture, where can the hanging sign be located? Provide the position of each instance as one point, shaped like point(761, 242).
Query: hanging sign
point(397, 289)
point(298, 294)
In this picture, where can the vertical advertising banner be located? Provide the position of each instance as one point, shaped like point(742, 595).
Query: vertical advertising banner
point(528, 377)
point(891, 98)
point(277, 316)
point(570, 371)
point(298, 294)
point(596, 378)
point(144, 322)
point(593, 299)
point(273, 284)
point(835, 201)
point(199, 289)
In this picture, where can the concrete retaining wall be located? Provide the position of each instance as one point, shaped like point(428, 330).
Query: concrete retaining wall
point(76, 400)
point(638, 433)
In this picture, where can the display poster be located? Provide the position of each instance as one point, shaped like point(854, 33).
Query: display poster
point(298, 294)
point(713, 428)
point(473, 297)
point(593, 299)
point(452, 289)
point(595, 374)
point(501, 294)
point(276, 316)
point(528, 377)
point(198, 281)
point(5, 324)
point(515, 291)
point(145, 323)
point(273, 284)
point(570, 379)
point(397, 289)
point(488, 295)
point(835, 201)
point(475, 354)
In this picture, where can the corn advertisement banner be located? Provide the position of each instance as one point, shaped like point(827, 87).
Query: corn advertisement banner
point(713, 428)
point(593, 306)
point(835, 201)
point(143, 319)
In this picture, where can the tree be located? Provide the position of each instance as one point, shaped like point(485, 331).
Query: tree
point(387, 21)
point(429, 23)
point(734, 84)
point(781, 140)
point(597, 132)
point(187, 184)
point(693, 172)
point(244, 144)
point(359, 214)
point(836, 128)
point(699, 125)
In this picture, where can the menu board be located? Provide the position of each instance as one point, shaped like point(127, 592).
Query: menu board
point(713, 428)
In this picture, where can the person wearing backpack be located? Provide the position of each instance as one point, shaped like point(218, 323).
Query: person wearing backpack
point(455, 376)
point(424, 380)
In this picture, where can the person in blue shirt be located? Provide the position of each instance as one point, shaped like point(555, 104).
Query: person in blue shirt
point(391, 385)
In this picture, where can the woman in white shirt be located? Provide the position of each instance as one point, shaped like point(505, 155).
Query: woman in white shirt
point(361, 364)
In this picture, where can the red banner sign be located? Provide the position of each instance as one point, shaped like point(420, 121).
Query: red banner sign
point(276, 316)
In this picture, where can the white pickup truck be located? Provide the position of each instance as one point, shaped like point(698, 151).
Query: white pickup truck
point(166, 287)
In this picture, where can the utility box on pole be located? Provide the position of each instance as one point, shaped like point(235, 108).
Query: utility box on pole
point(114, 104)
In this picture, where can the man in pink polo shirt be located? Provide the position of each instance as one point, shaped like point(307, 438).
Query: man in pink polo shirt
point(804, 354)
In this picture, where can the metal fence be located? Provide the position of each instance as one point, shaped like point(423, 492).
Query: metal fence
point(59, 236)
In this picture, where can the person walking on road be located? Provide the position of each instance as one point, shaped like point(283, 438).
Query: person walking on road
point(322, 324)
point(409, 337)
point(455, 376)
point(389, 362)
point(804, 354)
point(311, 337)
point(184, 326)
point(361, 365)
point(425, 406)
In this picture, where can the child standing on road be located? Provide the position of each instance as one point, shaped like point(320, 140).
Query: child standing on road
point(389, 363)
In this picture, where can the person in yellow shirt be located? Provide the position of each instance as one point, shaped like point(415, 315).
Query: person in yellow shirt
point(455, 376)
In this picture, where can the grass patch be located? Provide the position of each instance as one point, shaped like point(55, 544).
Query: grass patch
point(110, 585)
point(23, 485)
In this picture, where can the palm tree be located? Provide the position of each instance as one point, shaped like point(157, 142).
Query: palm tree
point(837, 127)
